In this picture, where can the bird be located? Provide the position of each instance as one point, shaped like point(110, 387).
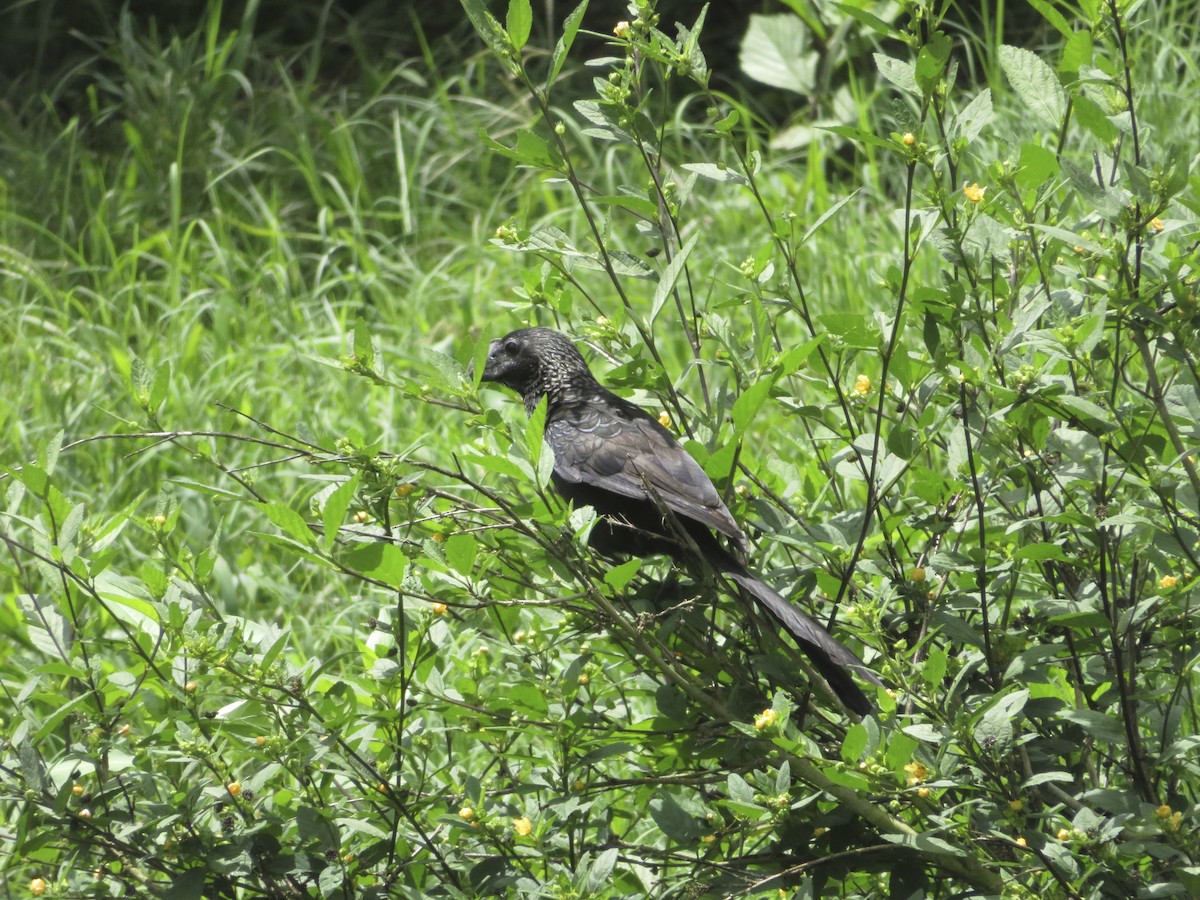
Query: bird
point(650, 496)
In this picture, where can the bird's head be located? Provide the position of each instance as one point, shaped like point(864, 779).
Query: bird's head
point(536, 362)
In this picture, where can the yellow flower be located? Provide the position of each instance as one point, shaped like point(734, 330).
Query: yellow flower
point(522, 826)
point(85, 814)
point(1157, 224)
point(862, 385)
point(917, 772)
point(403, 490)
point(909, 139)
point(1167, 582)
point(664, 419)
point(974, 192)
point(923, 792)
point(584, 678)
point(1176, 820)
point(37, 887)
point(466, 814)
point(917, 574)
point(234, 788)
point(362, 517)
point(1163, 812)
point(1064, 834)
point(1016, 805)
point(765, 719)
point(440, 609)
point(621, 29)
point(1021, 842)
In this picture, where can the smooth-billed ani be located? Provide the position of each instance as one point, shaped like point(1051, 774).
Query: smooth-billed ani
point(649, 494)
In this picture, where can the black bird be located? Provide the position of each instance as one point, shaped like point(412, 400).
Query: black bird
point(649, 494)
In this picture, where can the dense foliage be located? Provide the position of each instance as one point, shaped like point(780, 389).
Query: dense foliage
point(292, 611)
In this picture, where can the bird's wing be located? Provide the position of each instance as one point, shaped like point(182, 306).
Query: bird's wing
point(613, 445)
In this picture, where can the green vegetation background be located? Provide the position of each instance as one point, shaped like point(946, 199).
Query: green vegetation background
point(287, 609)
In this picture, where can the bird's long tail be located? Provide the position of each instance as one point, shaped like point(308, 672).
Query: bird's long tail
point(831, 659)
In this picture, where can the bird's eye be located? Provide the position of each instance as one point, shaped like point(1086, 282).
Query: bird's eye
point(512, 346)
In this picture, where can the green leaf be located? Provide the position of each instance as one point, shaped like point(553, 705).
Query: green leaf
point(364, 350)
point(826, 216)
point(974, 116)
point(1095, 418)
point(900, 750)
point(1040, 552)
point(1077, 52)
point(533, 150)
point(563, 47)
point(995, 729)
point(381, 560)
point(931, 62)
point(140, 378)
point(739, 788)
point(1089, 114)
point(1101, 726)
point(854, 743)
point(1035, 84)
point(746, 407)
point(727, 123)
point(640, 206)
point(160, 385)
point(793, 359)
point(621, 575)
point(461, 550)
point(289, 522)
point(934, 669)
point(876, 24)
point(716, 173)
point(334, 512)
point(898, 72)
point(673, 820)
point(1037, 166)
point(670, 275)
point(486, 25)
point(853, 328)
point(925, 843)
point(501, 465)
point(519, 22)
point(1053, 16)
point(775, 51)
point(601, 870)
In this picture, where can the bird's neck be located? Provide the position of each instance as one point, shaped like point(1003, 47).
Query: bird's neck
point(563, 393)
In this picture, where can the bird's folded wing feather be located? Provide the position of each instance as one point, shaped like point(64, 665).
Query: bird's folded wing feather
point(621, 449)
